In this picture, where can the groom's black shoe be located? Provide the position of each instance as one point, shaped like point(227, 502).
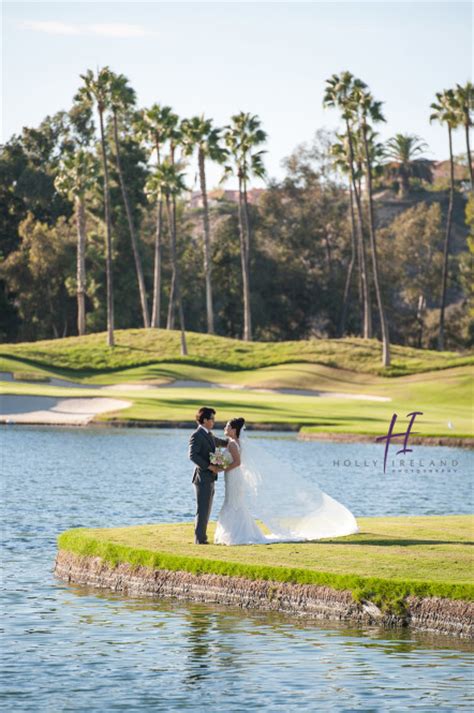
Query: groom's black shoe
point(202, 543)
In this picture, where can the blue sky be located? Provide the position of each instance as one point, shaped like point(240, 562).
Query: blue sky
point(269, 58)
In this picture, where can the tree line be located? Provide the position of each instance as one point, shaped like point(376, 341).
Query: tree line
point(119, 172)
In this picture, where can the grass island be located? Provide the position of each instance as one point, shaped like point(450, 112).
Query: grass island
point(396, 571)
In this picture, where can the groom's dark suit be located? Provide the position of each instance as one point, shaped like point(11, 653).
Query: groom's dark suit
point(201, 445)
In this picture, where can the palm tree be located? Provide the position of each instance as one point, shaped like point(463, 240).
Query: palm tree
point(446, 111)
point(198, 132)
point(76, 176)
point(403, 149)
point(122, 98)
point(153, 128)
point(174, 138)
point(368, 108)
point(339, 94)
point(340, 156)
point(465, 98)
point(241, 138)
point(167, 181)
point(96, 90)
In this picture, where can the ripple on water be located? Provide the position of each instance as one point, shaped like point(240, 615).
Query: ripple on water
point(73, 649)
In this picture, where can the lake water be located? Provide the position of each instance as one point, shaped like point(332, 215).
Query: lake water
point(67, 648)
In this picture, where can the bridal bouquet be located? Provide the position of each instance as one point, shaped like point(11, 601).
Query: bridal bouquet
point(221, 458)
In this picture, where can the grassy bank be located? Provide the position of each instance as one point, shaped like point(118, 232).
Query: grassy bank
point(390, 559)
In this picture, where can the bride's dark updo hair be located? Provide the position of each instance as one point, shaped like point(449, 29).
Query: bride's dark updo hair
point(238, 424)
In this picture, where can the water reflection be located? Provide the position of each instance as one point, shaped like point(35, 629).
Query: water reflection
point(70, 648)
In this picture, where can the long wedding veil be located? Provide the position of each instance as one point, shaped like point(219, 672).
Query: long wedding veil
point(285, 502)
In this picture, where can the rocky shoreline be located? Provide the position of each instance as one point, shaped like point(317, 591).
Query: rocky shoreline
point(441, 616)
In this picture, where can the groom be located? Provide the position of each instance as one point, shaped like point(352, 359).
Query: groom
point(201, 444)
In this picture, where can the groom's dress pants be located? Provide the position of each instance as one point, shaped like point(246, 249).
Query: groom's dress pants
point(204, 488)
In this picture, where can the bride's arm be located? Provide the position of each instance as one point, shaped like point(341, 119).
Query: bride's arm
point(234, 451)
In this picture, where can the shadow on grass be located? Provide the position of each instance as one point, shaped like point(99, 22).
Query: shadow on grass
point(398, 542)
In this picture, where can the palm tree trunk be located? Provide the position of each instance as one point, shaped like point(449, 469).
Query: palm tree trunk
point(404, 189)
point(131, 227)
point(244, 260)
point(81, 264)
point(175, 268)
point(327, 245)
point(171, 304)
point(367, 328)
point(108, 239)
point(345, 299)
point(375, 267)
point(468, 151)
point(207, 245)
point(419, 316)
point(155, 312)
point(444, 279)
point(171, 211)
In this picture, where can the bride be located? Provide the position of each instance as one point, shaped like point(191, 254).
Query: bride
point(259, 485)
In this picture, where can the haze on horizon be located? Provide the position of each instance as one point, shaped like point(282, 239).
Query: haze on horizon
point(218, 58)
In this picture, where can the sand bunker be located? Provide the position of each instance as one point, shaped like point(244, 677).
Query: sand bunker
point(47, 410)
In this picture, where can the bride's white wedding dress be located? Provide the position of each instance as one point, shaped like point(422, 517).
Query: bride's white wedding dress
point(292, 509)
point(235, 525)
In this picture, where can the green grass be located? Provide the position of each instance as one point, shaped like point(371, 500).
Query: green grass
point(82, 357)
point(349, 366)
point(388, 560)
point(442, 398)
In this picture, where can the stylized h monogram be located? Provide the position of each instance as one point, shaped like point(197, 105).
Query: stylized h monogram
point(391, 435)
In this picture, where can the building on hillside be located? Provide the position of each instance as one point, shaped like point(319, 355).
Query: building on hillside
point(441, 171)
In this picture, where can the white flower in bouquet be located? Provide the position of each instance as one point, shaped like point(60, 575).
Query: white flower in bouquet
point(220, 458)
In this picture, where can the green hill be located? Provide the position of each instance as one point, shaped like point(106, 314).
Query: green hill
point(85, 357)
point(330, 386)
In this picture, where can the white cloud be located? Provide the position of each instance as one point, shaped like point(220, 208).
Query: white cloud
point(119, 30)
point(52, 28)
point(102, 29)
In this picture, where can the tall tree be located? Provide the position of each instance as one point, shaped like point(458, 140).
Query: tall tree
point(446, 110)
point(339, 94)
point(37, 273)
point(340, 154)
point(77, 175)
point(154, 126)
point(199, 133)
point(465, 98)
point(122, 99)
point(174, 136)
point(168, 180)
point(96, 89)
point(242, 137)
point(370, 109)
point(404, 150)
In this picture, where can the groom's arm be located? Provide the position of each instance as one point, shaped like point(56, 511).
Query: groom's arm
point(221, 442)
point(194, 454)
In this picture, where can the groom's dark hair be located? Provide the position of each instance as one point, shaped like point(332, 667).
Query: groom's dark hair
point(204, 413)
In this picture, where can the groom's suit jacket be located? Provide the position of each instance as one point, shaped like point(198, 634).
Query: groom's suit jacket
point(201, 445)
